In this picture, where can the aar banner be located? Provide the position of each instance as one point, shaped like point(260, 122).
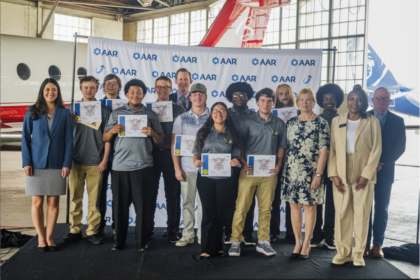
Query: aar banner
point(216, 68)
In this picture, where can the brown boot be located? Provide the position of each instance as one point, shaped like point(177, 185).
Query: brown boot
point(377, 252)
point(367, 251)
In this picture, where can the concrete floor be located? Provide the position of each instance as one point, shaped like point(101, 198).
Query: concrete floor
point(16, 207)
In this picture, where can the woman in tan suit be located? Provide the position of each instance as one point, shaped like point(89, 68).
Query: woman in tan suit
point(356, 147)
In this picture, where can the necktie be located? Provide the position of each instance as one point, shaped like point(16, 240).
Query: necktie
point(184, 104)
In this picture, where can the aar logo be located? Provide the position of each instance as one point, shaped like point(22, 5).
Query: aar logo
point(215, 93)
point(100, 69)
point(206, 77)
point(97, 51)
point(156, 74)
point(109, 203)
point(308, 79)
point(295, 62)
point(244, 78)
point(144, 56)
point(231, 61)
point(186, 59)
point(284, 79)
point(271, 62)
point(129, 72)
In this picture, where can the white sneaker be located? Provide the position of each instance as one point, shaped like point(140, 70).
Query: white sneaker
point(184, 242)
point(235, 249)
point(199, 241)
point(265, 248)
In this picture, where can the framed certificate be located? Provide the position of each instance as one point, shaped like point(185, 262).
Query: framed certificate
point(262, 165)
point(285, 113)
point(184, 145)
point(133, 125)
point(216, 165)
point(88, 112)
point(163, 110)
point(116, 103)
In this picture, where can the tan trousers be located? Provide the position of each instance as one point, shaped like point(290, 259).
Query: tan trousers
point(352, 210)
point(78, 175)
point(265, 188)
point(189, 194)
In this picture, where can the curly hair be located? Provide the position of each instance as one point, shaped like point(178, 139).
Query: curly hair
point(135, 82)
point(239, 87)
point(357, 89)
point(205, 130)
point(330, 88)
point(40, 107)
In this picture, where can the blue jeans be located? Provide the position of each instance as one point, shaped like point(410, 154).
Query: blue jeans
point(382, 197)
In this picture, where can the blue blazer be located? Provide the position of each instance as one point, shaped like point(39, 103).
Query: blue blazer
point(393, 146)
point(39, 144)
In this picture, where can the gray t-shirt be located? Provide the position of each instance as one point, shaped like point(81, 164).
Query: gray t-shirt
point(88, 146)
point(167, 126)
point(238, 118)
point(264, 138)
point(133, 153)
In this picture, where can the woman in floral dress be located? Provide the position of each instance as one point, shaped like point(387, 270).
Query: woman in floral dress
point(308, 142)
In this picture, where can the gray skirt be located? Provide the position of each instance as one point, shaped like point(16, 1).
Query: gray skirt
point(46, 182)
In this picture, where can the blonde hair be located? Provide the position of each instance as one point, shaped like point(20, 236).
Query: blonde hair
point(309, 91)
point(291, 94)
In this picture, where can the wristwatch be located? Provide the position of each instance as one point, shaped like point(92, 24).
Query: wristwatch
point(318, 175)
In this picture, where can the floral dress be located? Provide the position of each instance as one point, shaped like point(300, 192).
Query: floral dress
point(304, 141)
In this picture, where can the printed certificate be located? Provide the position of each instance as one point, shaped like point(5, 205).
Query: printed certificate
point(262, 165)
point(116, 103)
point(133, 125)
point(216, 165)
point(184, 145)
point(285, 113)
point(88, 112)
point(163, 110)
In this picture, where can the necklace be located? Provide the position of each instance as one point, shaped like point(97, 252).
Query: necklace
point(49, 115)
point(309, 119)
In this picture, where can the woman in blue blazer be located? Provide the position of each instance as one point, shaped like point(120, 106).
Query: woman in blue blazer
point(47, 142)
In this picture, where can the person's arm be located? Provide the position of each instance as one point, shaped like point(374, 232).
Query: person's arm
point(398, 147)
point(179, 173)
point(324, 146)
point(104, 163)
point(68, 146)
point(280, 156)
point(26, 144)
point(197, 161)
point(332, 161)
point(112, 128)
point(155, 130)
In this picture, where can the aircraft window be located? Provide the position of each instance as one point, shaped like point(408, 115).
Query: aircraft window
point(54, 72)
point(81, 73)
point(23, 71)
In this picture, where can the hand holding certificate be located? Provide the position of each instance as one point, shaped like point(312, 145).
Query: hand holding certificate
point(216, 165)
point(133, 125)
point(163, 110)
point(285, 114)
point(88, 112)
point(184, 145)
point(262, 165)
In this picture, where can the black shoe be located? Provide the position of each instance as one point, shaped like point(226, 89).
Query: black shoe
point(165, 233)
point(42, 249)
point(249, 241)
point(315, 242)
point(330, 243)
point(295, 255)
point(73, 237)
point(118, 247)
point(52, 248)
point(222, 254)
point(203, 258)
point(304, 257)
point(274, 238)
point(173, 237)
point(95, 239)
point(144, 247)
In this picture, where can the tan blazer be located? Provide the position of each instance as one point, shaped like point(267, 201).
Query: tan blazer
point(367, 148)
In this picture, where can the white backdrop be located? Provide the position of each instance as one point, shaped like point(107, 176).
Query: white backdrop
point(216, 68)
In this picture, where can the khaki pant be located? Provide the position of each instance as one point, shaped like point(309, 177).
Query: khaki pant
point(265, 188)
point(93, 177)
point(352, 210)
point(189, 194)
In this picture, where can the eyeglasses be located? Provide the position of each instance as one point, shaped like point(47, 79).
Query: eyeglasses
point(108, 83)
point(238, 96)
point(135, 93)
point(384, 99)
point(163, 87)
point(215, 112)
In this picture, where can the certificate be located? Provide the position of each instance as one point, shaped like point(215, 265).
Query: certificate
point(116, 103)
point(285, 113)
point(163, 110)
point(133, 125)
point(262, 165)
point(184, 145)
point(88, 112)
point(216, 165)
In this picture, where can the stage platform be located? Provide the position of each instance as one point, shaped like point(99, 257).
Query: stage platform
point(164, 260)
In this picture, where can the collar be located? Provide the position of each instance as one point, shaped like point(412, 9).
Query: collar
point(128, 108)
point(376, 113)
point(214, 130)
point(246, 111)
point(261, 120)
point(190, 112)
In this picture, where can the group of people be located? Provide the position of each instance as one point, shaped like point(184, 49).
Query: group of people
point(342, 161)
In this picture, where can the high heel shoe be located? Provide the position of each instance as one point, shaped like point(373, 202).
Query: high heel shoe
point(42, 249)
point(53, 248)
point(304, 257)
point(296, 255)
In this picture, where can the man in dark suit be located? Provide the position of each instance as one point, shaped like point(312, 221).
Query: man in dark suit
point(183, 81)
point(393, 146)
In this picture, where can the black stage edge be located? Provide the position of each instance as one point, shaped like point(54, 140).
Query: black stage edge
point(164, 260)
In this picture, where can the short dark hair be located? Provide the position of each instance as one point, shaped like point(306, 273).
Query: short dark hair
point(330, 88)
point(135, 82)
point(89, 79)
point(363, 97)
point(239, 87)
point(182, 70)
point(265, 91)
point(163, 78)
point(110, 77)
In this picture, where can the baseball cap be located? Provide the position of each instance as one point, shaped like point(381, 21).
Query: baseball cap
point(198, 87)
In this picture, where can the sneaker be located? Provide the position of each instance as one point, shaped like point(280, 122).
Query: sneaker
point(265, 248)
point(227, 240)
point(315, 242)
point(173, 237)
point(199, 241)
point(235, 249)
point(165, 233)
point(249, 241)
point(330, 243)
point(73, 237)
point(184, 242)
point(339, 259)
point(144, 247)
point(95, 239)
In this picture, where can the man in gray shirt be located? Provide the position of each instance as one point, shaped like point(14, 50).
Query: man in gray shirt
point(90, 159)
point(132, 168)
point(265, 134)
